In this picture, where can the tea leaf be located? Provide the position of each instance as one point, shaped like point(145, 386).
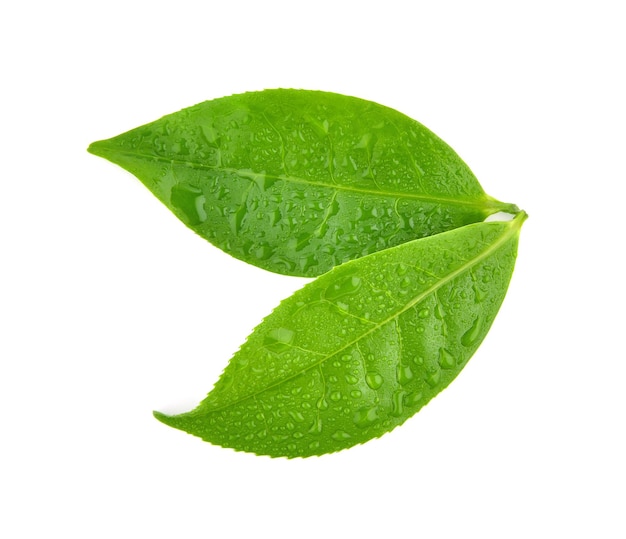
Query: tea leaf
point(298, 181)
point(356, 352)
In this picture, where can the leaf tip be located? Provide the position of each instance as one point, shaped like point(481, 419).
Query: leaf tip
point(163, 418)
point(97, 148)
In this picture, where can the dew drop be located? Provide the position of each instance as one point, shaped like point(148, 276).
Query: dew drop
point(365, 417)
point(190, 201)
point(335, 396)
point(343, 288)
point(433, 378)
point(401, 269)
point(404, 374)
point(236, 218)
point(446, 359)
point(411, 399)
point(322, 404)
point(278, 340)
point(479, 295)
point(351, 379)
point(356, 394)
point(340, 435)
point(397, 403)
point(316, 427)
point(373, 380)
point(297, 417)
point(263, 252)
point(473, 334)
point(424, 313)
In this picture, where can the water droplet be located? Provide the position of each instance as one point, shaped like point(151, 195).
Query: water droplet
point(322, 404)
point(297, 417)
point(211, 135)
point(351, 379)
point(401, 269)
point(236, 219)
point(479, 295)
point(424, 313)
point(340, 435)
point(433, 378)
point(314, 445)
point(190, 201)
point(278, 340)
point(365, 417)
point(397, 403)
point(343, 288)
point(356, 394)
point(374, 380)
point(411, 399)
point(335, 396)
point(263, 251)
point(439, 312)
point(242, 361)
point(473, 334)
point(316, 427)
point(404, 374)
point(446, 359)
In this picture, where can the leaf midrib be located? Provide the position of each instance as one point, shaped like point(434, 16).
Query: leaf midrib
point(486, 204)
point(507, 235)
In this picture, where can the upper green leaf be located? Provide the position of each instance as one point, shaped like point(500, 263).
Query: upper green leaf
point(362, 348)
point(298, 181)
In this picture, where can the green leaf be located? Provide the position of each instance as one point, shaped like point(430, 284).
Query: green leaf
point(356, 352)
point(298, 181)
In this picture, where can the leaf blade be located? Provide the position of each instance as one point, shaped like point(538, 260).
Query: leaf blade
point(297, 181)
point(358, 351)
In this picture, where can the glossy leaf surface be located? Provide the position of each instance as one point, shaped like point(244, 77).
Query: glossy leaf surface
point(298, 181)
point(362, 348)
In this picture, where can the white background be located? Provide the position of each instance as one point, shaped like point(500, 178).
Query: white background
point(111, 308)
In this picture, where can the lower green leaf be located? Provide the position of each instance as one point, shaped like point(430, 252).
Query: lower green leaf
point(362, 348)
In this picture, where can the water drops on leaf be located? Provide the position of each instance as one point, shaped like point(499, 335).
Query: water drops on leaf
point(373, 380)
point(313, 183)
point(341, 390)
point(348, 177)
